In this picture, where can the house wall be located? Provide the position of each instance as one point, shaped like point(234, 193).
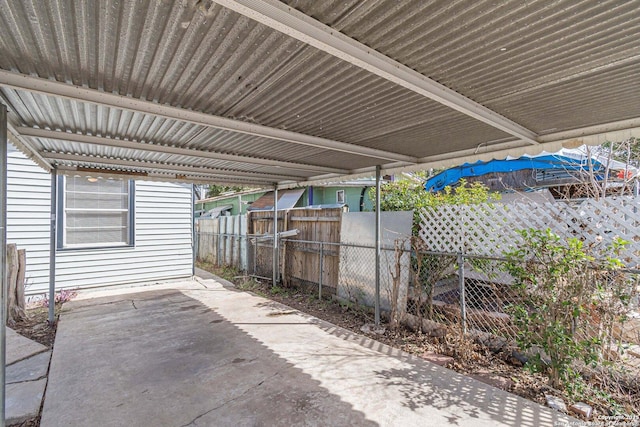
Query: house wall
point(162, 234)
point(231, 200)
point(28, 216)
point(327, 196)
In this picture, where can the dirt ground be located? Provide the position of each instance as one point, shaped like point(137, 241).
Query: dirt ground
point(36, 326)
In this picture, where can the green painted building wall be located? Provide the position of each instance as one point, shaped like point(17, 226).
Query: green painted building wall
point(321, 196)
point(328, 196)
point(238, 208)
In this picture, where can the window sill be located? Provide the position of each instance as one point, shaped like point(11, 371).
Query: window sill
point(93, 248)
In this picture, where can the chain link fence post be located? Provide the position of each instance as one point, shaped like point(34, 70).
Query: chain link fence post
point(321, 270)
point(255, 255)
point(219, 244)
point(196, 245)
point(463, 307)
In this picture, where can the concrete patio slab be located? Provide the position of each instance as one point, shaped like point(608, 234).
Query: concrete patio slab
point(23, 400)
point(199, 354)
point(30, 369)
point(19, 347)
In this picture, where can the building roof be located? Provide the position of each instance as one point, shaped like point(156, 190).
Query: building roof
point(300, 91)
point(226, 196)
point(215, 212)
point(287, 199)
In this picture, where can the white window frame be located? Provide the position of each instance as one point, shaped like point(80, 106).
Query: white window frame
point(341, 197)
point(62, 220)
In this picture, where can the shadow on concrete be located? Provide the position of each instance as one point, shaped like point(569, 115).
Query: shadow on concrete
point(161, 358)
point(425, 384)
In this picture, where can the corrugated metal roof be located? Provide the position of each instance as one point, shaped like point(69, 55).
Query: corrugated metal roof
point(287, 199)
point(550, 66)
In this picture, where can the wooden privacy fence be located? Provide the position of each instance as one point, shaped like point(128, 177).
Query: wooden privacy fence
point(260, 247)
point(301, 257)
point(312, 257)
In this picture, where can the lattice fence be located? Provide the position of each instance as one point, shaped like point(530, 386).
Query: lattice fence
point(491, 229)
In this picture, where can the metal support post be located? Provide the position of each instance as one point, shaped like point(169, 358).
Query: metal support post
point(321, 270)
point(3, 256)
point(275, 236)
point(52, 245)
point(463, 305)
point(255, 255)
point(378, 250)
point(194, 244)
point(219, 251)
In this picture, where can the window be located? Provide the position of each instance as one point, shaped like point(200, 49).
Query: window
point(95, 212)
point(340, 197)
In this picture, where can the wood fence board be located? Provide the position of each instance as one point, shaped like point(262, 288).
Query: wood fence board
point(302, 260)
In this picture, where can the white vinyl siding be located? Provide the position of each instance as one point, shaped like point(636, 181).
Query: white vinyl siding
point(162, 234)
point(28, 217)
point(162, 243)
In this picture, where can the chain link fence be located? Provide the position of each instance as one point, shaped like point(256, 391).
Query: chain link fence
point(474, 293)
point(259, 257)
point(478, 295)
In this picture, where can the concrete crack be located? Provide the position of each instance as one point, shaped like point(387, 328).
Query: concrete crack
point(134, 304)
point(195, 420)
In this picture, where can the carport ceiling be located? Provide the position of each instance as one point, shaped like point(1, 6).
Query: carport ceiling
point(264, 92)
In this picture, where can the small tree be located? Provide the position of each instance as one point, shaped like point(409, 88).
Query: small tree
point(216, 190)
point(406, 195)
point(560, 289)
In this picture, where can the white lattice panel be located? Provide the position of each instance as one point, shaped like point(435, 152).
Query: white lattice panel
point(491, 229)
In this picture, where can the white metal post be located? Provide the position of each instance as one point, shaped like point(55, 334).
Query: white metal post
point(275, 235)
point(194, 245)
point(3, 256)
point(321, 270)
point(52, 245)
point(378, 250)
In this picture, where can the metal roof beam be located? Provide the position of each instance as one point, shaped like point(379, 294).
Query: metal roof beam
point(154, 176)
point(83, 94)
point(612, 131)
point(211, 173)
point(18, 140)
point(296, 24)
point(164, 149)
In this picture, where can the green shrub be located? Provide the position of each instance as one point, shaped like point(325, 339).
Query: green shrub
point(565, 298)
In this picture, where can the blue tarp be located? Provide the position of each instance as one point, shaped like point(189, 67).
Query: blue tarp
point(451, 176)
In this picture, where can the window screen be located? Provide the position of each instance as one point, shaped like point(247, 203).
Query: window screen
point(96, 212)
point(340, 197)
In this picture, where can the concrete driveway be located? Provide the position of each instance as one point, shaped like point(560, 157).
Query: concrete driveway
point(195, 353)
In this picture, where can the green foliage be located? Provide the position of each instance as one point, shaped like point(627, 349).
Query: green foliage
point(277, 290)
point(627, 151)
point(405, 195)
point(216, 190)
point(563, 294)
